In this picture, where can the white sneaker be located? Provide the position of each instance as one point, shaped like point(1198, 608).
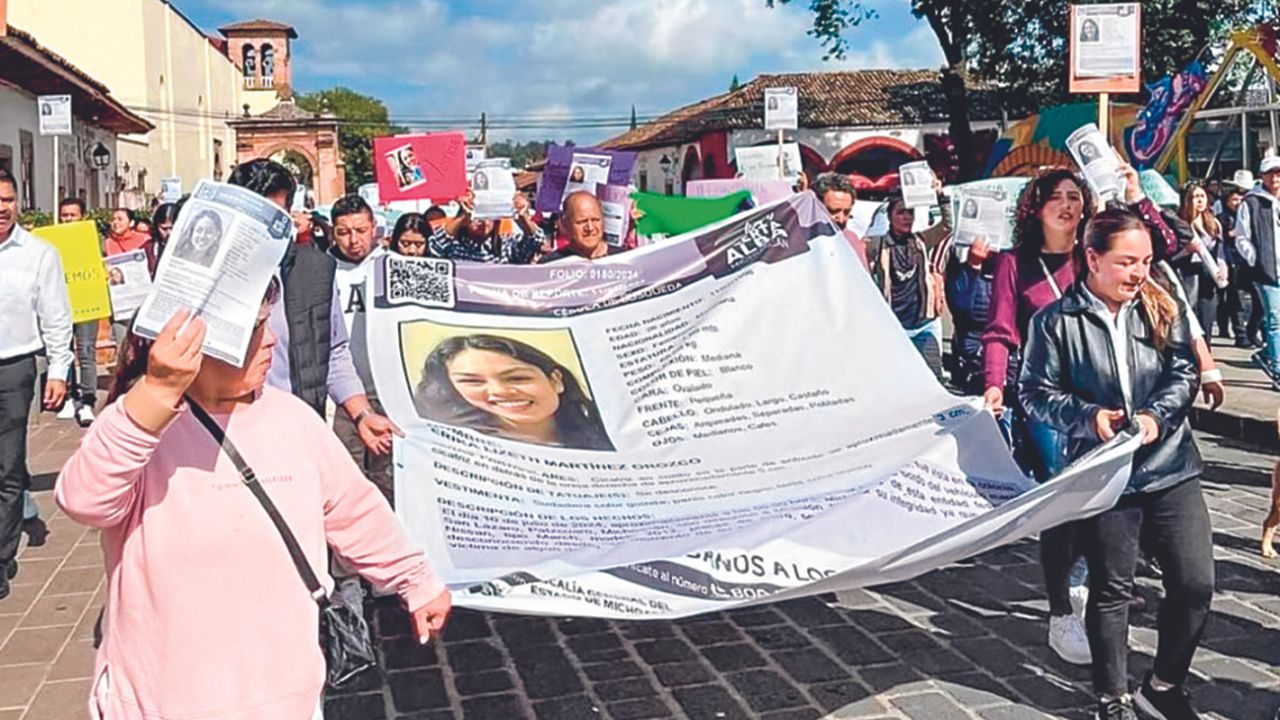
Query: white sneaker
point(68, 411)
point(1079, 599)
point(84, 416)
point(1067, 638)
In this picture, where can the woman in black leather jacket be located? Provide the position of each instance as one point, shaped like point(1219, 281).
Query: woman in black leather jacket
point(1072, 381)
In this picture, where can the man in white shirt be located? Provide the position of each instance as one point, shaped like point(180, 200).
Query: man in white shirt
point(34, 316)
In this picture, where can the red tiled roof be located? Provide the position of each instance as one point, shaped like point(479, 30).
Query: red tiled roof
point(257, 26)
point(40, 71)
point(855, 98)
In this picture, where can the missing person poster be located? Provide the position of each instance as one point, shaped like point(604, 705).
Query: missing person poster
point(615, 203)
point(781, 108)
point(569, 165)
point(129, 282)
point(55, 114)
point(494, 187)
point(80, 249)
point(223, 251)
point(587, 171)
point(917, 179)
point(430, 166)
point(1098, 161)
point(1106, 40)
point(669, 431)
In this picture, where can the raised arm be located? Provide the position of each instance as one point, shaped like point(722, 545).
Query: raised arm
point(98, 485)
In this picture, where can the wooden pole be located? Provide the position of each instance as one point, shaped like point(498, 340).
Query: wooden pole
point(781, 173)
point(1104, 115)
point(56, 162)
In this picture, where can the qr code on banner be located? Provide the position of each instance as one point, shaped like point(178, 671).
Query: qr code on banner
point(422, 281)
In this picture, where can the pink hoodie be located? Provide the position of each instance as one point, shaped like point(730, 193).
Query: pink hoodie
point(206, 616)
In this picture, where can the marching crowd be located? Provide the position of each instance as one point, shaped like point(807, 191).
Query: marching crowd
point(1097, 321)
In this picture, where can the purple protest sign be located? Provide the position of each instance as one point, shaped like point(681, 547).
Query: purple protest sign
point(563, 172)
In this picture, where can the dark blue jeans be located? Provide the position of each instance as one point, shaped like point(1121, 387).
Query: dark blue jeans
point(1175, 523)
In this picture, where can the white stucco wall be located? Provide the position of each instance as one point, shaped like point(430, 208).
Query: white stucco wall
point(19, 111)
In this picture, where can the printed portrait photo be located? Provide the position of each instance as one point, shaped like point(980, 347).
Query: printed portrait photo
point(1089, 152)
point(970, 209)
point(1089, 31)
point(521, 385)
point(405, 168)
point(577, 174)
point(202, 240)
point(480, 181)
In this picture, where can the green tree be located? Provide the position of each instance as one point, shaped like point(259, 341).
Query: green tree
point(1020, 45)
point(521, 154)
point(362, 119)
point(734, 84)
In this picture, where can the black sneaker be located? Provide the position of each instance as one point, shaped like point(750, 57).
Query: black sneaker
point(10, 570)
point(1118, 709)
point(1171, 704)
point(1260, 359)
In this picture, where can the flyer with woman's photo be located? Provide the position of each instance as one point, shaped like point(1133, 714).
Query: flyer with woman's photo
point(224, 249)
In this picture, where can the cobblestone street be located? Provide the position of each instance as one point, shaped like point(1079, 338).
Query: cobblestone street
point(964, 642)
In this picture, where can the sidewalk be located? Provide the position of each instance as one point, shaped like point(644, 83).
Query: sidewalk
point(1249, 412)
point(965, 642)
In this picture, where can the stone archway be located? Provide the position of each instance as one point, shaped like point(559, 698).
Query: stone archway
point(299, 162)
point(307, 141)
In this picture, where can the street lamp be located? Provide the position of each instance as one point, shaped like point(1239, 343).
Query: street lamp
point(665, 164)
point(101, 157)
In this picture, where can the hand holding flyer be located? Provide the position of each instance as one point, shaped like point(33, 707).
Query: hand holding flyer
point(1098, 161)
point(129, 282)
point(984, 214)
point(494, 187)
point(227, 244)
point(917, 184)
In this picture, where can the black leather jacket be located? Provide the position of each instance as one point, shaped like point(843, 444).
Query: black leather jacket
point(1069, 374)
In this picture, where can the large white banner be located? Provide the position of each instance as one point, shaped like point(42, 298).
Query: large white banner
point(730, 417)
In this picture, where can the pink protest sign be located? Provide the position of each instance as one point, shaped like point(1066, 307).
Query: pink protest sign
point(430, 166)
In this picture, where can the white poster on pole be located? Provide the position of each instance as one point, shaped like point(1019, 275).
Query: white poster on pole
point(682, 438)
point(222, 253)
point(55, 114)
point(1107, 40)
point(781, 108)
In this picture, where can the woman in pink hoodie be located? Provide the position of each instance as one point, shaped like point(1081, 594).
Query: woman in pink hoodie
point(206, 615)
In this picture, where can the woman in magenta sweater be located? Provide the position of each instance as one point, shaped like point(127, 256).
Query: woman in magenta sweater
point(1045, 261)
point(206, 614)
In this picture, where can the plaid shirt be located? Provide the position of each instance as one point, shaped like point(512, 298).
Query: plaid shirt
point(515, 248)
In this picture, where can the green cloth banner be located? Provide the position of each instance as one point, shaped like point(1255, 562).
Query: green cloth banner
point(676, 214)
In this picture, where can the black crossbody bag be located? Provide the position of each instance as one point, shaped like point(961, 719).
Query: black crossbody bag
point(344, 634)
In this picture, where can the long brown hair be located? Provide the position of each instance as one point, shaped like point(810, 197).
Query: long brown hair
point(1207, 218)
point(1161, 309)
point(131, 365)
point(1028, 233)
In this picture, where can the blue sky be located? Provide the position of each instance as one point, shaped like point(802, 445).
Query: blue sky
point(554, 60)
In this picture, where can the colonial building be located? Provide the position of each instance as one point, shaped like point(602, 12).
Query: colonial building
point(864, 123)
point(86, 167)
point(188, 85)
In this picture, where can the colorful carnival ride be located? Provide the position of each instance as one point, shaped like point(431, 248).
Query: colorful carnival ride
point(1155, 135)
